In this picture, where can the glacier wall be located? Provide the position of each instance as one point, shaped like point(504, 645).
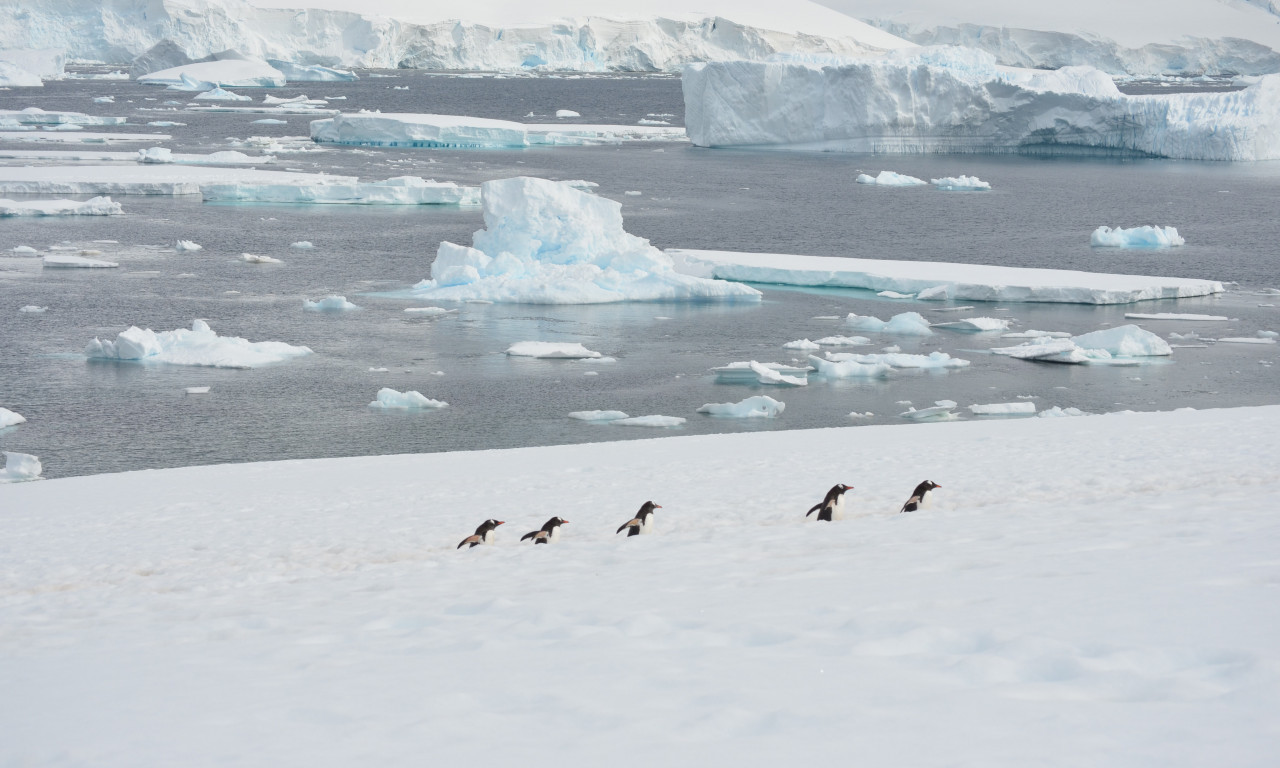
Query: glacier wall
point(169, 32)
point(955, 100)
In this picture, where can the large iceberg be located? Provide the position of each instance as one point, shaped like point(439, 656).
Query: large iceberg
point(940, 280)
point(958, 100)
point(198, 346)
point(547, 243)
point(393, 129)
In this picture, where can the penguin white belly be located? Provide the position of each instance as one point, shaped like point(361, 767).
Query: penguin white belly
point(488, 538)
point(553, 535)
point(646, 526)
point(927, 501)
point(837, 509)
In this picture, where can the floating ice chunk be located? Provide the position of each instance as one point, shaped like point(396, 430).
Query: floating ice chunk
point(1268, 334)
point(550, 349)
point(311, 73)
point(856, 415)
point(202, 76)
point(37, 116)
point(598, 415)
point(649, 421)
point(1248, 340)
point(197, 390)
point(1137, 237)
point(547, 243)
point(330, 304)
point(960, 184)
point(270, 121)
point(411, 400)
point(1034, 334)
point(68, 261)
point(633, 193)
point(848, 369)
point(98, 206)
point(906, 324)
point(32, 309)
point(767, 374)
point(940, 411)
point(746, 372)
point(842, 341)
point(25, 250)
point(301, 101)
point(802, 344)
point(891, 349)
point(425, 130)
point(198, 346)
point(1058, 412)
point(155, 155)
point(976, 324)
point(896, 295)
point(429, 310)
point(10, 418)
point(402, 190)
point(1003, 409)
point(218, 94)
point(254, 258)
point(187, 245)
point(104, 99)
point(567, 113)
point(760, 406)
point(20, 468)
point(890, 179)
point(302, 245)
point(1124, 341)
point(934, 293)
point(1173, 316)
point(933, 360)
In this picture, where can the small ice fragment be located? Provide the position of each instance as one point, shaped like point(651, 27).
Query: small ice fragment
point(20, 467)
point(253, 258)
point(550, 349)
point(801, 344)
point(1002, 409)
point(32, 309)
point(302, 245)
point(565, 113)
point(429, 310)
point(896, 295)
point(960, 184)
point(197, 390)
point(856, 415)
point(379, 370)
point(1056, 412)
point(633, 193)
point(760, 406)
point(598, 415)
point(975, 324)
point(412, 400)
point(906, 323)
point(649, 421)
point(25, 249)
point(187, 245)
point(940, 411)
point(330, 304)
point(10, 418)
point(1137, 237)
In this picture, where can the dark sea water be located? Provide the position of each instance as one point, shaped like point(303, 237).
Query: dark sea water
point(88, 417)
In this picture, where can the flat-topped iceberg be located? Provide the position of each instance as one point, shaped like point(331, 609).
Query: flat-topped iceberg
point(649, 421)
point(73, 261)
point(38, 116)
point(752, 372)
point(146, 179)
point(400, 129)
point(412, 400)
point(951, 99)
point(1122, 344)
point(402, 190)
point(1137, 237)
point(890, 179)
point(207, 75)
point(940, 280)
point(758, 407)
point(198, 346)
point(20, 468)
point(551, 349)
point(98, 206)
point(547, 243)
point(598, 415)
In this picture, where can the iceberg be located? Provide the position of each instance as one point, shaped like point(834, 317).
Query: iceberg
point(329, 304)
point(199, 346)
point(752, 372)
point(1111, 345)
point(187, 246)
point(218, 94)
point(71, 261)
point(412, 400)
point(12, 76)
point(551, 349)
point(32, 309)
point(20, 468)
point(402, 190)
point(302, 245)
point(598, 415)
point(848, 369)
point(961, 184)
point(547, 243)
point(890, 179)
point(1137, 237)
point(1174, 316)
point(207, 75)
point(10, 418)
point(957, 100)
point(905, 324)
point(1003, 409)
point(311, 73)
point(758, 407)
point(98, 206)
point(38, 116)
point(147, 179)
point(649, 421)
point(940, 411)
point(253, 258)
point(934, 360)
point(392, 129)
point(567, 113)
point(975, 324)
point(961, 282)
point(802, 345)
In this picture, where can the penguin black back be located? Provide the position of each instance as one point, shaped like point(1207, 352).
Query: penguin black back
point(917, 496)
point(483, 534)
point(545, 534)
point(832, 506)
point(640, 522)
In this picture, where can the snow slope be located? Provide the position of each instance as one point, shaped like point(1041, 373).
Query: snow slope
point(1139, 37)
point(1092, 591)
point(958, 100)
point(486, 34)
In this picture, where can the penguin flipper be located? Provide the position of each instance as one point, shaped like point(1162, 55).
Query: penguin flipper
point(529, 535)
point(912, 505)
point(634, 523)
point(473, 540)
point(635, 531)
point(815, 508)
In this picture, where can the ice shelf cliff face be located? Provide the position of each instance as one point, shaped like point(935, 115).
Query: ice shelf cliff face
point(608, 35)
point(949, 99)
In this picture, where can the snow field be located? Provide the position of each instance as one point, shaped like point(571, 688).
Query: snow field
point(1119, 584)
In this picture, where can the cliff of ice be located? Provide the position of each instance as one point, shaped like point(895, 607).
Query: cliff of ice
point(959, 100)
point(584, 35)
point(545, 242)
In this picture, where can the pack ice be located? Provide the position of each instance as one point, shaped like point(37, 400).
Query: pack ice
point(1123, 343)
point(946, 280)
point(393, 129)
point(955, 100)
point(547, 243)
point(198, 346)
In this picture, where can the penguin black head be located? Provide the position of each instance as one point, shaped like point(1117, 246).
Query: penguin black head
point(925, 487)
point(489, 525)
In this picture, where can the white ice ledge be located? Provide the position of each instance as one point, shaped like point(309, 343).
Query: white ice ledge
point(961, 282)
point(379, 129)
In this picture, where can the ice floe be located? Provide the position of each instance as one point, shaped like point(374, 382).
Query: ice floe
point(72, 261)
point(961, 184)
point(975, 324)
point(906, 324)
point(1122, 344)
point(430, 310)
point(842, 341)
point(206, 75)
point(149, 179)
point(302, 245)
point(802, 345)
point(86, 137)
point(199, 346)
point(941, 410)
point(598, 415)
point(848, 369)
point(20, 468)
point(550, 349)
point(567, 113)
point(10, 418)
point(1174, 316)
point(330, 304)
point(393, 129)
point(547, 243)
point(935, 360)
point(1059, 412)
point(1248, 340)
point(32, 309)
point(649, 421)
point(98, 206)
point(1004, 409)
point(411, 400)
point(253, 258)
point(1137, 237)
point(940, 280)
point(197, 390)
point(38, 116)
point(402, 190)
point(187, 246)
point(752, 372)
point(311, 73)
point(219, 94)
point(758, 407)
point(890, 179)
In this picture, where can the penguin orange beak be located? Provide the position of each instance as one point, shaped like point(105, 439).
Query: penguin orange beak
point(502, 522)
point(937, 485)
point(657, 506)
point(563, 521)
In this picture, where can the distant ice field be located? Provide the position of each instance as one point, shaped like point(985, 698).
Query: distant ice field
point(87, 417)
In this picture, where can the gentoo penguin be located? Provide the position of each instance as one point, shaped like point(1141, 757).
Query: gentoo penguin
point(483, 534)
point(641, 522)
point(832, 507)
point(549, 533)
point(917, 496)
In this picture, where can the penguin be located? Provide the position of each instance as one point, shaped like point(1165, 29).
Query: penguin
point(483, 534)
point(917, 496)
point(550, 531)
point(832, 507)
point(640, 523)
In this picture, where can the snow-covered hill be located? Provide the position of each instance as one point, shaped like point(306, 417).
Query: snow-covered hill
point(1139, 37)
point(1084, 591)
point(657, 35)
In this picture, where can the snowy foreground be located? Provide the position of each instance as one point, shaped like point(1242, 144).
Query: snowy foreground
point(1092, 591)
